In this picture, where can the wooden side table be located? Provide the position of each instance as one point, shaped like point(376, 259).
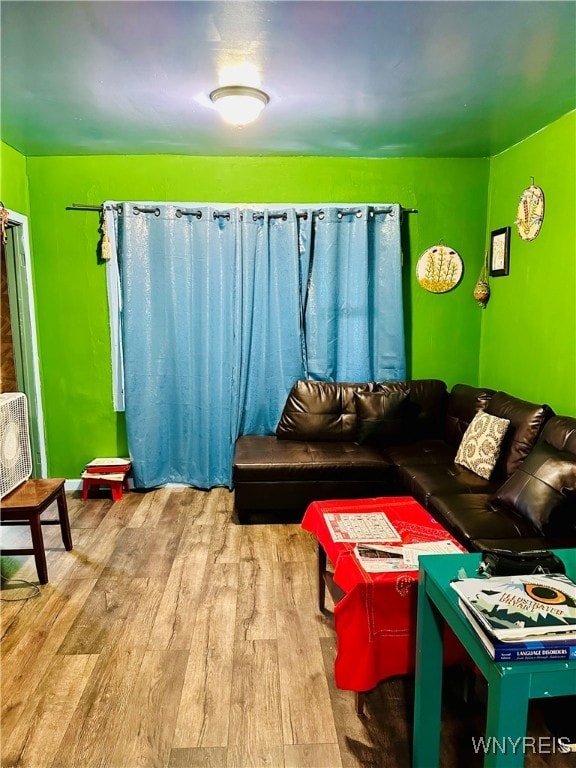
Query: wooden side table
point(25, 505)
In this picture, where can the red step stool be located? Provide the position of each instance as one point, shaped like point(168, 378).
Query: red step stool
point(117, 482)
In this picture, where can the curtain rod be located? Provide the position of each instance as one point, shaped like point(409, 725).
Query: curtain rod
point(100, 208)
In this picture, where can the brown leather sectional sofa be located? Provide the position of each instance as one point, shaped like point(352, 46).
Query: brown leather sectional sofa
point(329, 444)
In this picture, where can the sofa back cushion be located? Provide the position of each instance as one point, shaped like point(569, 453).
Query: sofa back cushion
point(384, 418)
point(320, 410)
point(526, 423)
point(427, 400)
point(326, 410)
point(560, 432)
point(464, 402)
point(543, 490)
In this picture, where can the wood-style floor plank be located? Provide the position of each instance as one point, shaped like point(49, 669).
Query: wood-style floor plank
point(255, 712)
point(92, 734)
point(146, 733)
point(149, 510)
point(111, 613)
point(120, 513)
point(304, 691)
point(261, 757)
point(198, 757)
point(173, 626)
point(33, 740)
point(29, 646)
point(203, 717)
point(91, 551)
point(317, 755)
point(256, 607)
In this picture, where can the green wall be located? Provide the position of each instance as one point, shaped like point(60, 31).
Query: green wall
point(528, 334)
point(13, 180)
point(443, 330)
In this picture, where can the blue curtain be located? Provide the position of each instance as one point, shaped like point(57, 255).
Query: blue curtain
point(220, 312)
point(211, 336)
point(354, 317)
point(268, 320)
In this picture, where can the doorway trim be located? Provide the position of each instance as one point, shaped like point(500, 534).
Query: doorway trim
point(24, 288)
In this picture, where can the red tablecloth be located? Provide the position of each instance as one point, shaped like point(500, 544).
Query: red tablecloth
point(375, 622)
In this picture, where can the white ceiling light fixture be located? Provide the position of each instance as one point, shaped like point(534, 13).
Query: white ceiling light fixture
point(239, 104)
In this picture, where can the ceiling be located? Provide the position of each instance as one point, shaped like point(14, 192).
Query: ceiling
point(362, 79)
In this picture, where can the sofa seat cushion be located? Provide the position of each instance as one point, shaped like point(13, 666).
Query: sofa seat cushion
point(423, 481)
point(470, 516)
point(265, 458)
point(420, 452)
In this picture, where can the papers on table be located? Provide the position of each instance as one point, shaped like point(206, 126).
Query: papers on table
point(376, 558)
point(350, 527)
point(378, 545)
point(413, 551)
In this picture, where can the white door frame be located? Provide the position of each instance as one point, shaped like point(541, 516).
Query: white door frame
point(29, 308)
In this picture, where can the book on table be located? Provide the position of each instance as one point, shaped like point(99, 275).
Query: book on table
point(103, 466)
point(113, 477)
point(553, 647)
point(520, 607)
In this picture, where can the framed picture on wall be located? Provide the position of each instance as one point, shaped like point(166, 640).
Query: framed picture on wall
point(500, 252)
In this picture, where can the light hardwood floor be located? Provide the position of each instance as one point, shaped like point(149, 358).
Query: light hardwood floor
point(172, 637)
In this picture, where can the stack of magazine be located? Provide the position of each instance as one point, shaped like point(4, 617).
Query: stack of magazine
point(522, 618)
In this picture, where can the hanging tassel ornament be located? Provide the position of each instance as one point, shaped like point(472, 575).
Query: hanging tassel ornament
point(3, 224)
point(105, 252)
point(482, 289)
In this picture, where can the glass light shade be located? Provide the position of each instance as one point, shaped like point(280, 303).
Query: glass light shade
point(239, 104)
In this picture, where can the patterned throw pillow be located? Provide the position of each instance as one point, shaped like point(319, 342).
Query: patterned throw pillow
point(480, 446)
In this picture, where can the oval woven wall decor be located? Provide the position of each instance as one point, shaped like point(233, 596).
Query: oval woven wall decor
point(439, 269)
point(530, 212)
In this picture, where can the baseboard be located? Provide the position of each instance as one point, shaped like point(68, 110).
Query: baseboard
point(73, 485)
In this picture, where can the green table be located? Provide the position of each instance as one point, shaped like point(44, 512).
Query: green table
point(510, 686)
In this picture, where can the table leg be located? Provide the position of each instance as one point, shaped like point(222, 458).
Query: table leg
point(428, 683)
point(38, 546)
point(116, 488)
point(360, 699)
point(321, 582)
point(64, 519)
point(504, 744)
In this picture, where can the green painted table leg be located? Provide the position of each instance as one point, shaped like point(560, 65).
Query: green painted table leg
point(506, 722)
point(428, 687)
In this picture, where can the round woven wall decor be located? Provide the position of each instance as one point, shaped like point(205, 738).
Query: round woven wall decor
point(439, 269)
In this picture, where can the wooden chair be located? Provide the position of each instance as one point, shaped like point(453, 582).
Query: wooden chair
point(24, 506)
